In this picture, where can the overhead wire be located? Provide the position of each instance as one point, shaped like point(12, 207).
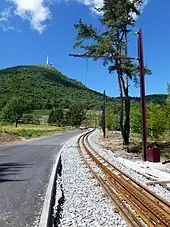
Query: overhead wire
point(87, 62)
point(86, 73)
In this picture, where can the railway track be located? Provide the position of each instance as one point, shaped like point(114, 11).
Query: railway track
point(136, 204)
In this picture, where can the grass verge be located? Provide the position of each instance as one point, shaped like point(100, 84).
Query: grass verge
point(28, 131)
point(166, 155)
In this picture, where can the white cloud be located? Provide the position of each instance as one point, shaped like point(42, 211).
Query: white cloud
point(141, 8)
point(5, 15)
point(4, 20)
point(7, 27)
point(93, 4)
point(37, 12)
point(99, 3)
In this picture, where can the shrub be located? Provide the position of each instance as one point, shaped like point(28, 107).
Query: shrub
point(112, 120)
point(56, 117)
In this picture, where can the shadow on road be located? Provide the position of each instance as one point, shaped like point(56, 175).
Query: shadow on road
point(9, 171)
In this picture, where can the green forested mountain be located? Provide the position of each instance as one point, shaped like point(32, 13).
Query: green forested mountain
point(46, 88)
point(155, 98)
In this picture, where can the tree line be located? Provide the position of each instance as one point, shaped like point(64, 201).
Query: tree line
point(18, 111)
point(158, 119)
point(45, 89)
point(74, 116)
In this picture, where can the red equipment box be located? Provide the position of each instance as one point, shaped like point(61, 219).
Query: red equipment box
point(153, 154)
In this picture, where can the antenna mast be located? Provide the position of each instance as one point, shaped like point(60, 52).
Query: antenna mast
point(47, 61)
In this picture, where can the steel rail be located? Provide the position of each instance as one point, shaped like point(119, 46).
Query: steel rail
point(161, 200)
point(144, 205)
point(156, 213)
point(128, 216)
point(156, 199)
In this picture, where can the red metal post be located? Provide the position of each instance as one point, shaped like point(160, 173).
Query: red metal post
point(104, 115)
point(142, 91)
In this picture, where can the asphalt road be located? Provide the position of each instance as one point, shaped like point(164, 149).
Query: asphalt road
point(25, 170)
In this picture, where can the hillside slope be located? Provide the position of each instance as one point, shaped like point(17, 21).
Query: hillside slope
point(45, 87)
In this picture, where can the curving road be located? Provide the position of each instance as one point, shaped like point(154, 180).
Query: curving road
point(25, 169)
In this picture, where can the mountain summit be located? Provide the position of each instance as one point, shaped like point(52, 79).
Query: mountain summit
point(45, 87)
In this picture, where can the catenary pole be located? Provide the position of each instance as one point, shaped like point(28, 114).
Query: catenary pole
point(142, 93)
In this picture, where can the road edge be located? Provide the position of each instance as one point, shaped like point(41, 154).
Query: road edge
point(46, 213)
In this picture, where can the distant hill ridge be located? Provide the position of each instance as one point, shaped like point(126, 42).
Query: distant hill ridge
point(23, 67)
point(47, 88)
point(154, 98)
point(39, 67)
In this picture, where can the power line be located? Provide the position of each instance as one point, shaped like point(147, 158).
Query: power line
point(86, 73)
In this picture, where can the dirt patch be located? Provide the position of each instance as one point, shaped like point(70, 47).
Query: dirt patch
point(114, 142)
point(6, 138)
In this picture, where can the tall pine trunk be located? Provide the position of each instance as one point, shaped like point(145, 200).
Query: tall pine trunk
point(126, 133)
point(16, 123)
point(16, 120)
point(125, 120)
point(121, 117)
point(121, 102)
point(126, 128)
point(124, 109)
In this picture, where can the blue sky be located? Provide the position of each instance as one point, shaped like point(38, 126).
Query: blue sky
point(30, 29)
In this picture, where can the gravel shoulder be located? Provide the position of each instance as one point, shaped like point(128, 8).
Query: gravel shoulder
point(143, 172)
point(80, 200)
point(25, 169)
point(6, 138)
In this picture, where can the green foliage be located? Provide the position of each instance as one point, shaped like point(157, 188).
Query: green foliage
point(56, 117)
point(41, 112)
point(28, 133)
point(76, 115)
point(14, 110)
point(112, 120)
point(73, 117)
point(30, 119)
point(112, 46)
point(156, 120)
point(52, 117)
point(136, 123)
point(117, 20)
point(31, 130)
point(156, 99)
point(167, 110)
point(166, 155)
point(92, 119)
point(45, 88)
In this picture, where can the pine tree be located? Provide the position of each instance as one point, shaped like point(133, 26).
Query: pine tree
point(167, 109)
point(56, 117)
point(76, 115)
point(117, 21)
point(14, 110)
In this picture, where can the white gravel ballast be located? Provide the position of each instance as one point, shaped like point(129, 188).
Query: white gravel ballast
point(82, 202)
point(139, 172)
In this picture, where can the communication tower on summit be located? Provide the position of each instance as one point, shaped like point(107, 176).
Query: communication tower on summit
point(47, 60)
